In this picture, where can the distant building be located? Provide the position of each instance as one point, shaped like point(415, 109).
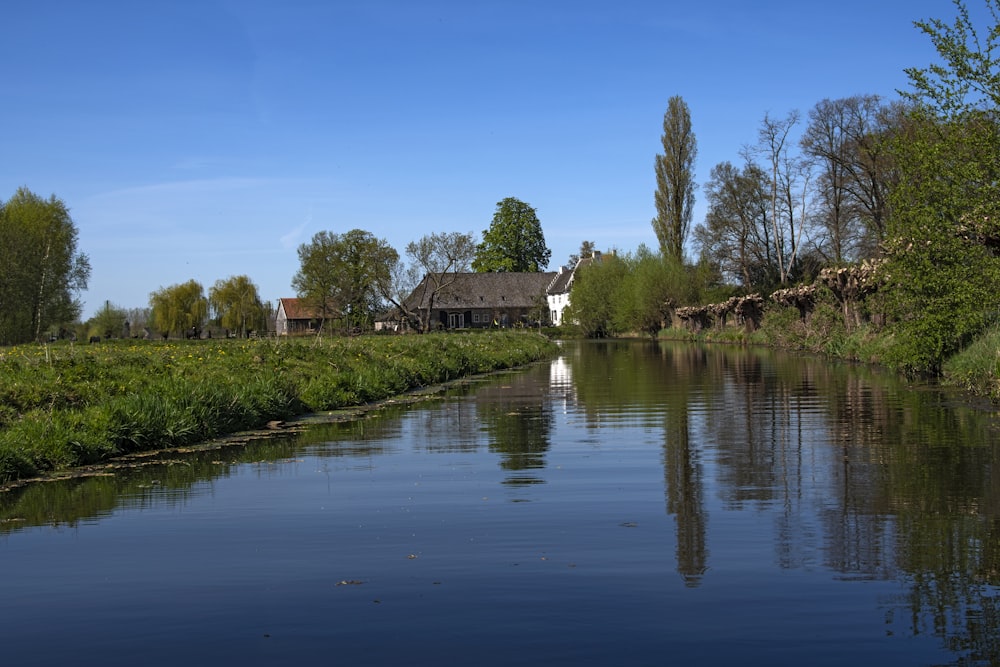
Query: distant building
point(295, 317)
point(481, 300)
point(558, 292)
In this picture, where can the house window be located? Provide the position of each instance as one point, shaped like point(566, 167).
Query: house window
point(475, 318)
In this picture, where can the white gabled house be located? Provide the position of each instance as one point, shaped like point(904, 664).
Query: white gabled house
point(558, 292)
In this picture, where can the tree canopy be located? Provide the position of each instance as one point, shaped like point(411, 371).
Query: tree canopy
point(342, 275)
point(736, 235)
point(635, 292)
point(943, 236)
point(41, 270)
point(110, 321)
point(179, 309)
point(514, 241)
point(847, 140)
point(237, 304)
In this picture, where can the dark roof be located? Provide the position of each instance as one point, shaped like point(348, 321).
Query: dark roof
point(563, 282)
point(560, 284)
point(484, 290)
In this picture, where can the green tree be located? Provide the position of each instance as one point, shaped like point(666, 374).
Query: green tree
point(944, 232)
point(593, 301)
point(40, 268)
point(109, 322)
point(968, 76)
point(656, 286)
point(675, 184)
point(237, 304)
point(179, 309)
point(941, 250)
point(341, 275)
point(514, 242)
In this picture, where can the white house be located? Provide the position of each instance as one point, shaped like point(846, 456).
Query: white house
point(559, 289)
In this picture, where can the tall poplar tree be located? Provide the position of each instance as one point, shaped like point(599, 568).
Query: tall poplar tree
point(675, 184)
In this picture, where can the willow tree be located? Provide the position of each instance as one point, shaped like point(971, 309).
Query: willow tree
point(179, 309)
point(237, 304)
point(40, 268)
point(675, 185)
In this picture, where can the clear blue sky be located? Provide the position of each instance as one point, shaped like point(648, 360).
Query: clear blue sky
point(204, 139)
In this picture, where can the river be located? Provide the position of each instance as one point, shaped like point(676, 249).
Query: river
point(628, 503)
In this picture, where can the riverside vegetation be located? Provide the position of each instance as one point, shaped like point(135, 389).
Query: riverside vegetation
point(974, 368)
point(67, 405)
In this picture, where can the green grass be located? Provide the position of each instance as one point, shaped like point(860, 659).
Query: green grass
point(977, 367)
point(67, 405)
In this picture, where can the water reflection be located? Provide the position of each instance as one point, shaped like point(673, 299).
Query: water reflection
point(517, 418)
point(833, 469)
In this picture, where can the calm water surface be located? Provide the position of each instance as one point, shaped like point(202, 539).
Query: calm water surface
point(629, 503)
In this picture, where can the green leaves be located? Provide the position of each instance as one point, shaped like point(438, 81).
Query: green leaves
point(237, 304)
point(675, 184)
point(343, 275)
point(179, 309)
point(942, 266)
point(514, 242)
point(968, 77)
point(40, 268)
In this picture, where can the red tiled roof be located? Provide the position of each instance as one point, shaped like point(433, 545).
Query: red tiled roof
point(296, 309)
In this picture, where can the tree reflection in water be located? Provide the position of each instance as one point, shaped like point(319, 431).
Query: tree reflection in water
point(853, 472)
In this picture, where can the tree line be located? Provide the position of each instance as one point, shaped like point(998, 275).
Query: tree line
point(903, 190)
point(353, 277)
point(348, 278)
point(908, 185)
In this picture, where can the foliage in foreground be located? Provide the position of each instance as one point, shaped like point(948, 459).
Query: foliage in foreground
point(41, 270)
point(977, 367)
point(67, 405)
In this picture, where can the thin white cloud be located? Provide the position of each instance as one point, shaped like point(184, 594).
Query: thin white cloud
point(294, 236)
point(189, 186)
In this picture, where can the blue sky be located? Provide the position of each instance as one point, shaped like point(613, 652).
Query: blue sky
point(205, 139)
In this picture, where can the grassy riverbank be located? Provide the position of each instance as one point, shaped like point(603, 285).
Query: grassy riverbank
point(975, 368)
point(67, 405)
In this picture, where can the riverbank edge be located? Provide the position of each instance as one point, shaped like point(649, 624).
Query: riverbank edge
point(311, 379)
point(975, 369)
point(275, 429)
